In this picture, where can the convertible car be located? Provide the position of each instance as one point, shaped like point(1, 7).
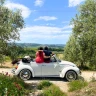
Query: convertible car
point(56, 68)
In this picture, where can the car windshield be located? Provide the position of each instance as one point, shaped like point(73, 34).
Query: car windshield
point(54, 58)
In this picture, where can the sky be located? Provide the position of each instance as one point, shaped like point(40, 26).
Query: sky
point(46, 21)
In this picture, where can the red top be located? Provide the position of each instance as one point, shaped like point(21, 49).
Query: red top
point(39, 57)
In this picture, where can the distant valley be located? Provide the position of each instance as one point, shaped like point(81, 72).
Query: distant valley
point(37, 45)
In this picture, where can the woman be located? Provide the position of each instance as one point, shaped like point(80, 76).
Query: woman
point(39, 55)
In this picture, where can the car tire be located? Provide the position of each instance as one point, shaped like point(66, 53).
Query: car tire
point(25, 74)
point(71, 75)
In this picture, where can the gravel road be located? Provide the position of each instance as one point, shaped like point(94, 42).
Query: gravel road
point(63, 85)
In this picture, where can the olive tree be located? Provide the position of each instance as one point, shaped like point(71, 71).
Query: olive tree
point(11, 22)
point(71, 50)
point(84, 31)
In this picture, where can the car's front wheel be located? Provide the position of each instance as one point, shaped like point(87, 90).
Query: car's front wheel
point(71, 75)
point(25, 74)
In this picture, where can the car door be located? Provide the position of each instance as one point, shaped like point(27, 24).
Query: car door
point(36, 68)
point(50, 69)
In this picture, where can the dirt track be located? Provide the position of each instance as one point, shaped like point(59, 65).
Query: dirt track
point(63, 85)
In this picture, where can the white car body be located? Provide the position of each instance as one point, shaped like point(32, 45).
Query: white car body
point(56, 68)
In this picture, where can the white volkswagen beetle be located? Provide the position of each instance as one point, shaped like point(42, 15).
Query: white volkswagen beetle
point(56, 68)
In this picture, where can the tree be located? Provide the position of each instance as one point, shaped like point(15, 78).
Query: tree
point(71, 50)
point(10, 23)
point(84, 31)
point(14, 51)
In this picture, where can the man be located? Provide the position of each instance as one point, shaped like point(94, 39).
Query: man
point(47, 55)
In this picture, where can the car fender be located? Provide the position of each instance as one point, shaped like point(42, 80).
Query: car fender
point(66, 69)
point(24, 67)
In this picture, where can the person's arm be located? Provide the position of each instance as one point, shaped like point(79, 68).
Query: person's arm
point(51, 53)
point(36, 54)
point(46, 56)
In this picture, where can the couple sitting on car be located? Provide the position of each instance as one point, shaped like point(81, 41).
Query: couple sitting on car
point(43, 55)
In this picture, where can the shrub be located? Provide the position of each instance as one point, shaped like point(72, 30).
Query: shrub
point(20, 81)
point(77, 84)
point(11, 86)
point(52, 91)
point(43, 84)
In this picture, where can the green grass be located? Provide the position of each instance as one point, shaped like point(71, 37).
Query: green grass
point(1, 66)
point(13, 86)
point(52, 91)
point(7, 58)
point(77, 84)
point(10, 86)
point(43, 84)
point(49, 89)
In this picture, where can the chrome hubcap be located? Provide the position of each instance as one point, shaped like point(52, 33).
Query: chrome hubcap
point(71, 76)
point(25, 74)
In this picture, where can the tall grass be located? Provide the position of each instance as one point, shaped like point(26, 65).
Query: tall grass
point(43, 84)
point(77, 84)
point(53, 91)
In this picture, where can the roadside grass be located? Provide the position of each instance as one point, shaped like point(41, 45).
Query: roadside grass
point(89, 90)
point(49, 89)
point(52, 91)
point(10, 86)
point(43, 84)
point(4, 66)
point(76, 85)
point(13, 86)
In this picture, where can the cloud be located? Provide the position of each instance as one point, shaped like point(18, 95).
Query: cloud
point(46, 18)
point(45, 33)
point(50, 24)
point(66, 22)
point(41, 30)
point(46, 30)
point(73, 3)
point(39, 3)
point(68, 27)
point(25, 10)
